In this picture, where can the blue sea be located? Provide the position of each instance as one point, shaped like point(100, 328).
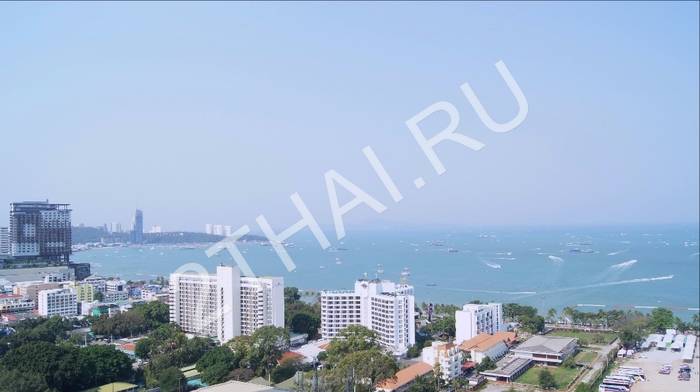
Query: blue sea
point(616, 267)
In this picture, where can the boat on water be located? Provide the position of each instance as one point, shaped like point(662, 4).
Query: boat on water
point(482, 236)
point(321, 267)
point(431, 284)
point(381, 271)
point(338, 261)
point(187, 247)
point(452, 250)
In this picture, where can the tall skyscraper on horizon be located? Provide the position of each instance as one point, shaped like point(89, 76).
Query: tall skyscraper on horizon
point(218, 230)
point(208, 228)
point(137, 228)
point(40, 230)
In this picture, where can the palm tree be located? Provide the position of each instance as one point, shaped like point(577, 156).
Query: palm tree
point(551, 314)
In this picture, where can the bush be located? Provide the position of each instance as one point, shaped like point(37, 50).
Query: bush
point(547, 380)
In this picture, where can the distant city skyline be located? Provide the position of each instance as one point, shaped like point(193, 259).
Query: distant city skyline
point(224, 110)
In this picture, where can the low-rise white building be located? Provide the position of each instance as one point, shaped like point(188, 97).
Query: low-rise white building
point(484, 345)
point(115, 285)
point(98, 283)
point(475, 319)
point(546, 349)
point(115, 296)
point(447, 355)
point(61, 302)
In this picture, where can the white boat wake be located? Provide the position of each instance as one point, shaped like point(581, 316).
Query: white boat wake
point(619, 282)
point(617, 253)
point(555, 258)
point(624, 265)
point(492, 265)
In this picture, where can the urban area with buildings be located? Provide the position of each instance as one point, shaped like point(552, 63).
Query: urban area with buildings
point(38, 279)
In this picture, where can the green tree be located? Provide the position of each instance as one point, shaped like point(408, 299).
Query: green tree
point(598, 338)
point(629, 337)
point(216, 364)
point(661, 318)
point(486, 364)
point(569, 362)
point(552, 314)
point(266, 344)
point(532, 324)
point(352, 339)
point(370, 365)
point(145, 347)
point(98, 296)
point(546, 379)
point(305, 322)
point(17, 381)
point(103, 364)
point(171, 379)
point(156, 313)
point(291, 295)
point(583, 342)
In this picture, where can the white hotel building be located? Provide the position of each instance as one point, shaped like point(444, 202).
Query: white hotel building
point(62, 302)
point(225, 305)
point(475, 319)
point(379, 305)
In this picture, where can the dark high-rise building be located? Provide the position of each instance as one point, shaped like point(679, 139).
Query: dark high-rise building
point(40, 230)
point(137, 228)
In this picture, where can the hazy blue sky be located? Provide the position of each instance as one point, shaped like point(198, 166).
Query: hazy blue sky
point(218, 112)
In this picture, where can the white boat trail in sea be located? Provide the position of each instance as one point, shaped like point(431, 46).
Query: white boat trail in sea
point(555, 258)
point(492, 265)
point(619, 282)
point(624, 265)
point(617, 253)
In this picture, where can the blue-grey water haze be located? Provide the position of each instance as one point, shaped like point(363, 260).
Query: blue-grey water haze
point(628, 266)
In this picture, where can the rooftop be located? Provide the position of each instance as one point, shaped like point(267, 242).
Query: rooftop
point(485, 341)
point(545, 344)
point(405, 376)
point(508, 366)
point(240, 387)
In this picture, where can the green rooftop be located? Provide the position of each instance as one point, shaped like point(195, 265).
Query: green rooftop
point(115, 386)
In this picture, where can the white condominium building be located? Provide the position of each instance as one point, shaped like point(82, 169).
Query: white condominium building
point(262, 303)
point(61, 302)
point(225, 305)
point(474, 319)
point(97, 282)
point(447, 355)
point(379, 305)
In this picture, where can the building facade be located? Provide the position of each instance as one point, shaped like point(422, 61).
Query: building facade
point(225, 304)
point(97, 282)
point(4, 241)
point(39, 230)
point(475, 319)
point(447, 355)
point(379, 305)
point(137, 227)
point(62, 302)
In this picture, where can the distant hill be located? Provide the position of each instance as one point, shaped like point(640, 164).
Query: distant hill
point(84, 235)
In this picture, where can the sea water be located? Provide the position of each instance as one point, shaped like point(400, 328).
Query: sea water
point(643, 266)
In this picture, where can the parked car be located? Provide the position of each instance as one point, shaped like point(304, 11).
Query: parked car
point(684, 377)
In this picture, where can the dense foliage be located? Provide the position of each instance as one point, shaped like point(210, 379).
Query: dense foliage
point(142, 318)
point(547, 380)
point(357, 348)
point(300, 316)
point(64, 367)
